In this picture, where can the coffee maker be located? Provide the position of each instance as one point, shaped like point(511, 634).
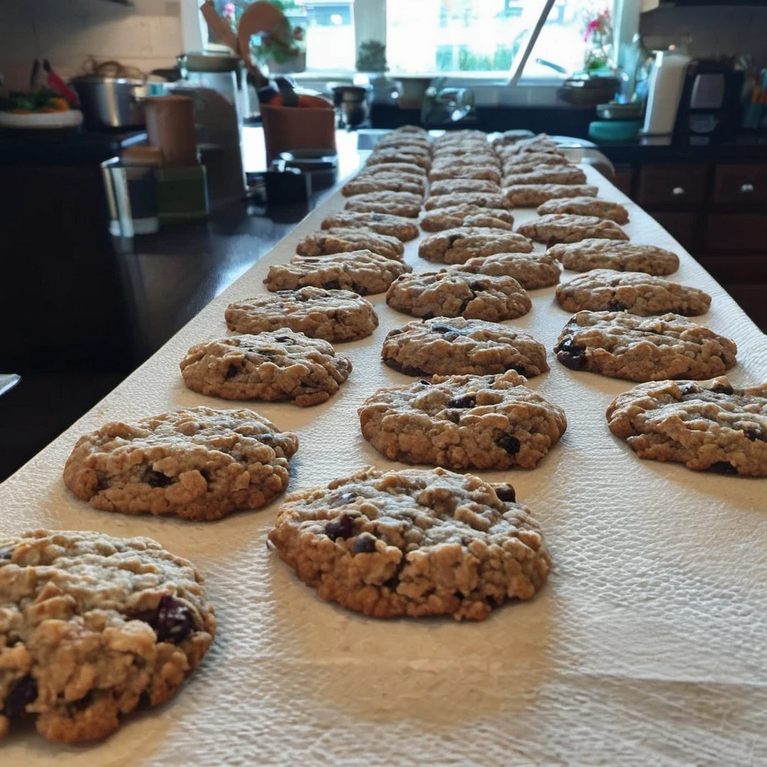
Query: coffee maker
point(709, 108)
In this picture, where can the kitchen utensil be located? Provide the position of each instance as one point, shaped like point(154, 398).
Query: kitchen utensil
point(55, 83)
point(170, 125)
point(110, 102)
point(8, 381)
point(665, 88)
point(218, 26)
point(261, 16)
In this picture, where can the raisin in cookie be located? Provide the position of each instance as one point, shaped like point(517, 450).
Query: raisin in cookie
point(329, 241)
point(480, 199)
point(623, 345)
point(196, 463)
point(395, 226)
point(455, 293)
point(360, 271)
point(586, 206)
point(547, 174)
point(414, 543)
point(274, 365)
point(455, 246)
point(463, 422)
point(382, 182)
point(530, 270)
point(439, 219)
point(335, 315)
point(563, 227)
point(397, 203)
point(532, 195)
point(635, 292)
point(453, 186)
point(456, 346)
point(621, 256)
point(708, 426)
point(94, 627)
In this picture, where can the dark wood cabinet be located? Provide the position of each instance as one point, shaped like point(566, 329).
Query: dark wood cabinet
point(718, 212)
point(679, 184)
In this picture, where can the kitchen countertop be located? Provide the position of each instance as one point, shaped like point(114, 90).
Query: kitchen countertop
point(645, 647)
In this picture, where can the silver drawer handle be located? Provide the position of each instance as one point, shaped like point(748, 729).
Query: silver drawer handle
point(746, 189)
point(678, 191)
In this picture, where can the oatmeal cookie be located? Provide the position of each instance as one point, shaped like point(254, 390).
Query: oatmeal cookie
point(457, 346)
point(396, 203)
point(197, 463)
point(563, 227)
point(451, 171)
point(383, 182)
point(623, 345)
point(635, 292)
point(707, 426)
point(547, 174)
point(93, 628)
point(456, 293)
point(335, 315)
point(586, 206)
point(530, 270)
point(439, 219)
point(413, 543)
point(463, 422)
point(386, 156)
point(621, 256)
point(532, 195)
point(400, 168)
point(326, 242)
point(480, 199)
point(274, 365)
point(395, 226)
point(456, 246)
point(360, 271)
point(453, 186)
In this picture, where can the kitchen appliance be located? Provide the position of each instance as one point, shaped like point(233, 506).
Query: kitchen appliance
point(709, 109)
point(665, 88)
point(352, 103)
point(110, 102)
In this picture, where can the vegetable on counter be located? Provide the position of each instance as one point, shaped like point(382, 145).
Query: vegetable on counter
point(41, 101)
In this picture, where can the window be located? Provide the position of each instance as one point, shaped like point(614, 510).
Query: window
point(484, 36)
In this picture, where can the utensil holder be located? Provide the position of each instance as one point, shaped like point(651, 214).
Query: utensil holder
point(288, 128)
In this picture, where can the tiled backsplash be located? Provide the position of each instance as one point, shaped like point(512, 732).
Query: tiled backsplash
point(713, 30)
point(146, 35)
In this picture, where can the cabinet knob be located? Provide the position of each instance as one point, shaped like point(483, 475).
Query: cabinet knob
point(746, 189)
point(678, 191)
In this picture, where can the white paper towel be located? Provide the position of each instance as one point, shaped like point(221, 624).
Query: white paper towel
point(646, 647)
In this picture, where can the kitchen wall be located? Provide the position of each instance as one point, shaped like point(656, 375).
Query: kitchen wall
point(146, 34)
point(713, 30)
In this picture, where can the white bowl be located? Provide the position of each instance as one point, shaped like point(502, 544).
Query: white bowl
point(42, 120)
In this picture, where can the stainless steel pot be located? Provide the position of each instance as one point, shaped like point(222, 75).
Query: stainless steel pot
point(111, 102)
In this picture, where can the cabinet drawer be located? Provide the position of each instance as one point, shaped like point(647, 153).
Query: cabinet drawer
point(681, 226)
point(624, 179)
point(740, 184)
point(678, 184)
point(736, 232)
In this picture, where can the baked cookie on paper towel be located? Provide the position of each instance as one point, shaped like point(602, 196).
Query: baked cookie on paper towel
point(360, 271)
point(623, 345)
point(335, 315)
point(396, 226)
point(457, 293)
point(196, 463)
point(413, 543)
point(635, 292)
point(457, 346)
point(455, 246)
point(586, 206)
point(707, 426)
point(327, 242)
point(275, 365)
point(563, 227)
point(404, 204)
point(610, 254)
point(530, 270)
point(532, 195)
point(463, 422)
point(439, 219)
point(94, 627)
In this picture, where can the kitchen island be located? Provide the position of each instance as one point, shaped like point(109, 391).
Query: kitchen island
point(644, 648)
